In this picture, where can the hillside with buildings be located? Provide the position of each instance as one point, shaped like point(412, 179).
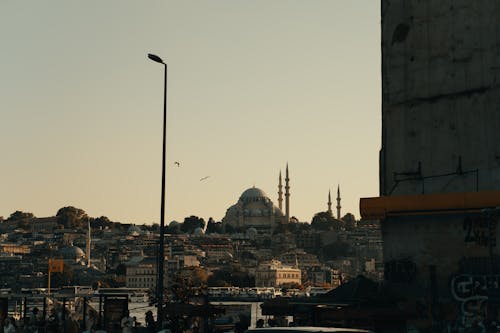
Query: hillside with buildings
point(99, 252)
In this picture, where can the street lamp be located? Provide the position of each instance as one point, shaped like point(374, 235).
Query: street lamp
point(161, 259)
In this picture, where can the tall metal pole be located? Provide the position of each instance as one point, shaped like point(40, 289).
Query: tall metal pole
point(161, 260)
point(161, 250)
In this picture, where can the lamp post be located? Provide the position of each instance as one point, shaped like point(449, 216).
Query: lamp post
point(161, 258)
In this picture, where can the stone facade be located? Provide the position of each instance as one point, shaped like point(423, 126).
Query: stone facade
point(143, 274)
point(275, 274)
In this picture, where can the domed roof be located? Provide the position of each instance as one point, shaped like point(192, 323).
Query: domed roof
point(134, 230)
point(253, 209)
point(198, 231)
point(72, 252)
point(253, 192)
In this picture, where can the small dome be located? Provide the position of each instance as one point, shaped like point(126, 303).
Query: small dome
point(134, 230)
point(174, 224)
point(198, 231)
point(253, 193)
point(72, 252)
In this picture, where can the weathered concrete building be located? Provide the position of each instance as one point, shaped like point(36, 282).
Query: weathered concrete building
point(441, 96)
point(440, 157)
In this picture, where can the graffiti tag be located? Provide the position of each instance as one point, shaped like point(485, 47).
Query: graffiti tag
point(403, 271)
point(471, 291)
point(480, 231)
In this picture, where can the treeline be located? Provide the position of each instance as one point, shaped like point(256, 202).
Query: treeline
point(68, 217)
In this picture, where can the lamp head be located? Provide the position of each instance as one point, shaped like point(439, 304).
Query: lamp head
point(155, 58)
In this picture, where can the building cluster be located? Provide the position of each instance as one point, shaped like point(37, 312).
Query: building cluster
point(260, 254)
point(257, 244)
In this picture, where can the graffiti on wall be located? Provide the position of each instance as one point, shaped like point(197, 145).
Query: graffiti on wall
point(471, 292)
point(401, 271)
point(480, 230)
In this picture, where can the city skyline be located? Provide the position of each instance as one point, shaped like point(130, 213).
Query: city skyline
point(252, 86)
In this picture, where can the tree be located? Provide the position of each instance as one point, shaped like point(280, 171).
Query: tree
point(154, 227)
point(71, 217)
point(101, 222)
point(242, 280)
point(219, 278)
point(214, 227)
point(325, 221)
point(349, 221)
point(19, 216)
point(173, 228)
point(293, 227)
point(335, 250)
point(191, 223)
point(211, 282)
point(199, 276)
point(231, 276)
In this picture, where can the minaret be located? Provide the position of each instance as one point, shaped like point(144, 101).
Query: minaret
point(329, 203)
point(287, 196)
point(87, 250)
point(338, 202)
point(280, 193)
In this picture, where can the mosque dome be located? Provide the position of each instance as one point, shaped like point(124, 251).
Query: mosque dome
point(134, 230)
point(253, 193)
point(254, 209)
point(73, 253)
point(198, 231)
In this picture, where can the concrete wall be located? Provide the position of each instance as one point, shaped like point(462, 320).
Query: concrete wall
point(443, 241)
point(441, 133)
point(441, 96)
point(444, 261)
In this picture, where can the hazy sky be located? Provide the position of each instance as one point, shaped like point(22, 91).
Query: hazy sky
point(252, 85)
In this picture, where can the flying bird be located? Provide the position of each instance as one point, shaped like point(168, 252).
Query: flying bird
point(177, 163)
point(204, 178)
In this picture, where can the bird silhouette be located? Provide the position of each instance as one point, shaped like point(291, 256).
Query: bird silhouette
point(177, 163)
point(204, 178)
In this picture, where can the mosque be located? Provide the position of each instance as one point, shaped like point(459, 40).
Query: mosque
point(74, 255)
point(255, 209)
